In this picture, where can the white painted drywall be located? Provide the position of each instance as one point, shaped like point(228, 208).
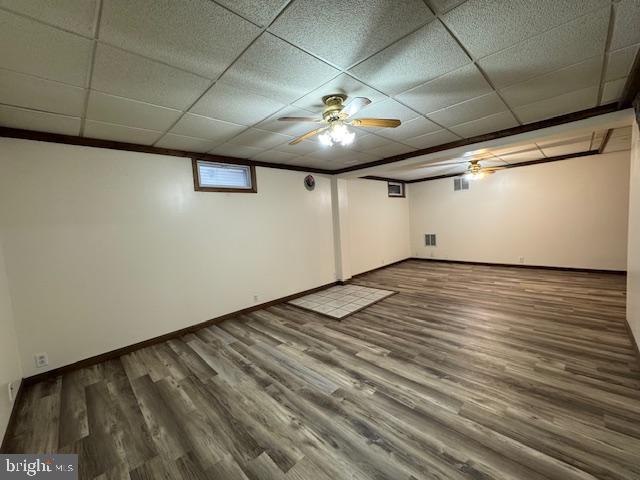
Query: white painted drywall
point(633, 260)
point(571, 213)
point(378, 226)
point(10, 369)
point(106, 248)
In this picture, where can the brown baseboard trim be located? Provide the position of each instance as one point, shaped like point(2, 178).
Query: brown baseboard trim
point(13, 418)
point(519, 265)
point(87, 362)
point(377, 268)
point(633, 341)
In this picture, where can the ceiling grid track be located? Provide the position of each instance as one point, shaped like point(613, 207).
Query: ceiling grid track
point(605, 54)
point(92, 62)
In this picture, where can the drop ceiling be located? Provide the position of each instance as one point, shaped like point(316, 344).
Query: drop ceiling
point(542, 148)
point(212, 77)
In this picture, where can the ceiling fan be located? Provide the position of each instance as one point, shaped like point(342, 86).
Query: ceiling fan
point(474, 171)
point(335, 120)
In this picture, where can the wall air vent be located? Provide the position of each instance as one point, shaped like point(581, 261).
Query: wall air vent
point(460, 183)
point(430, 239)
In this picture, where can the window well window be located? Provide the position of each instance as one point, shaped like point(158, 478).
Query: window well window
point(223, 177)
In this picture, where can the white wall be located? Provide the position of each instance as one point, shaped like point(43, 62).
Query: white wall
point(106, 248)
point(378, 226)
point(571, 213)
point(633, 264)
point(10, 369)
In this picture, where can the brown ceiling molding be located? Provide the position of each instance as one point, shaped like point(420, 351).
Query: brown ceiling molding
point(133, 147)
point(550, 122)
point(383, 179)
point(631, 89)
point(513, 165)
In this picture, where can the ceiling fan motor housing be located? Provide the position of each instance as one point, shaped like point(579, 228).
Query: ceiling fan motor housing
point(334, 105)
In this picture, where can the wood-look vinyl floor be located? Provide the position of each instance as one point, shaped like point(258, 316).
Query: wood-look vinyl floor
point(470, 372)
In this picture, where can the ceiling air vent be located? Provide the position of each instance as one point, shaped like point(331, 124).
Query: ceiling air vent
point(430, 239)
point(460, 183)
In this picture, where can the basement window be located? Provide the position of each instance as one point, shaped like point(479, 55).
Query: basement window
point(395, 189)
point(223, 177)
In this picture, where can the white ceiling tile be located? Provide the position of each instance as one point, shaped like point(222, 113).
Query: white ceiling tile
point(565, 148)
point(78, 16)
point(196, 35)
point(514, 148)
point(128, 75)
point(120, 133)
point(552, 107)
point(253, 137)
point(131, 113)
point(417, 58)
point(432, 139)
point(390, 149)
point(525, 156)
point(39, 121)
point(33, 92)
point(408, 129)
point(596, 139)
point(620, 140)
point(30, 47)
point(238, 151)
point(183, 142)
point(363, 157)
point(289, 128)
point(619, 62)
point(625, 28)
point(275, 156)
point(491, 123)
point(487, 26)
point(443, 6)
point(260, 13)
point(369, 141)
point(385, 109)
point(341, 84)
point(342, 33)
point(303, 148)
point(565, 45)
point(452, 88)
point(332, 153)
point(234, 105)
point(469, 110)
point(208, 128)
point(278, 70)
point(612, 90)
point(565, 80)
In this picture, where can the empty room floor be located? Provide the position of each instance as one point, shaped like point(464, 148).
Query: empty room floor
point(469, 372)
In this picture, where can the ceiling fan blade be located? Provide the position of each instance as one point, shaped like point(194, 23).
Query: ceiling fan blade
point(300, 119)
point(355, 105)
point(376, 122)
point(307, 135)
point(487, 169)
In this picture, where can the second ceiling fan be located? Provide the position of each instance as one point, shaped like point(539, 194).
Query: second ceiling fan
point(335, 120)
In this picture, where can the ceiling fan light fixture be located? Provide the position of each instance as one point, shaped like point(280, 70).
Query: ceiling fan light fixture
point(338, 133)
point(474, 175)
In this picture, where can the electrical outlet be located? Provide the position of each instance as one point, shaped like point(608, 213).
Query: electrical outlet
point(521, 259)
point(432, 255)
point(42, 360)
point(255, 299)
point(12, 391)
